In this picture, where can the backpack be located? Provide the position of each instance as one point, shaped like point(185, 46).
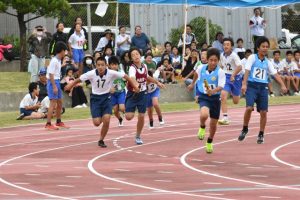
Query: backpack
point(8, 54)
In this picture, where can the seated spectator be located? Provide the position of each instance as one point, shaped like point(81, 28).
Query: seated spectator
point(190, 64)
point(96, 55)
point(3, 48)
point(289, 67)
point(125, 62)
point(29, 105)
point(167, 71)
point(176, 58)
point(187, 56)
point(193, 45)
point(108, 52)
point(78, 97)
point(151, 66)
point(88, 63)
point(106, 41)
point(189, 38)
point(218, 43)
point(240, 50)
point(147, 51)
point(204, 45)
point(140, 40)
point(168, 48)
point(297, 60)
point(123, 41)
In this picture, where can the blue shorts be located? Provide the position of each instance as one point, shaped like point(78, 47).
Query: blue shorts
point(136, 101)
point(118, 98)
point(213, 103)
point(51, 94)
point(234, 88)
point(297, 74)
point(26, 112)
point(100, 105)
point(257, 93)
point(155, 93)
point(78, 55)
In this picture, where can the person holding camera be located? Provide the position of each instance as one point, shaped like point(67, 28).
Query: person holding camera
point(38, 41)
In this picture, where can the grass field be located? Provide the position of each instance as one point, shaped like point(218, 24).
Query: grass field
point(9, 118)
point(20, 81)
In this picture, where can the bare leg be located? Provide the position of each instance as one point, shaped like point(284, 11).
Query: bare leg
point(263, 120)
point(140, 124)
point(247, 115)
point(105, 127)
point(51, 109)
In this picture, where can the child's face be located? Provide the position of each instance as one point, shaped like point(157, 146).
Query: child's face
point(195, 54)
point(101, 66)
point(213, 61)
point(126, 57)
point(36, 91)
point(70, 73)
point(263, 48)
point(247, 55)
point(135, 56)
point(114, 66)
point(166, 63)
point(276, 56)
point(168, 47)
point(240, 44)
point(60, 27)
point(193, 46)
point(175, 51)
point(78, 28)
point(289, 57)
point(188, 51)
point(227, 46)
point(297, 56)
point(148, 59)
point(108, 52)
point(204, 57)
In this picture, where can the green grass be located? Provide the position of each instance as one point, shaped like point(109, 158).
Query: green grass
point(9, 118)
point(14, 81)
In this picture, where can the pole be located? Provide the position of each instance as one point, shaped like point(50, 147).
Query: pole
point(117, 25)
point(89, 24)
point(184, 31)
point(207, 27)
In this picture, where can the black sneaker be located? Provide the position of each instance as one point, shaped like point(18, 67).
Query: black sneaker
point(121, 122)
point(21, 116)
point(151, 125)
point(101, 144)
point(63, 110)
point(242, 135)
point(260, 139)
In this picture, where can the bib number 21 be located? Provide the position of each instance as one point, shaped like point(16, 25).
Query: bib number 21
point(259, 73)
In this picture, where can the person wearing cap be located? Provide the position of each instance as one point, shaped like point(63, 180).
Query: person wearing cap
point(38, 41)
point(42, 83)
point(106, 41)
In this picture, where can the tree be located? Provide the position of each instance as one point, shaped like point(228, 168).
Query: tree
point(48, 8)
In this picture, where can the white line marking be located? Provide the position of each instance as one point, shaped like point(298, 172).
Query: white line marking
point(165, 172)
point(167, 181)
point(122, 170)
point(273, 154)
point(254, 167)
point(207, 165)
point(43, 166)
point(73, 176)
point(212, 183)
point(106, 188)
point(243, 164)
point(214, 194)
point(271, 166)
point(22, 183)
point(32, 174)
point(138, 152)
point(163, 156)
point(258, 176)
point(8, 194)
point(218, 162)
point(67, 186)
point(149, 154)
point(79, 167)
point(269, 197)
point(198, 160)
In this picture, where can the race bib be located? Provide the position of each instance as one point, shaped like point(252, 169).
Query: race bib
point(259, 73)
point(211, 86)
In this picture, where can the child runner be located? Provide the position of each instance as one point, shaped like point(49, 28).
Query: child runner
point(53, 87)
point(232, 66)
point(118, 91)
point(101, 80)
point(255, 83)
point(153, 95)
point(138, 72)
point(209, 96)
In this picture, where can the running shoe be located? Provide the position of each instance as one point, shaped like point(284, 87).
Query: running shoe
point(242, 135)
point(138, 141)
point(209, 147)
point(151, 126)
point(101, 144)
point(51, 127)
point(201, 133)
point(161, 122)
point(62, 125)
point(121, 122)
point(21, 116)
point(260, 139)
point(223, 122)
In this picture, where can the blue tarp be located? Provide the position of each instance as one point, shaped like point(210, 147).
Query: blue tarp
point(219, 3)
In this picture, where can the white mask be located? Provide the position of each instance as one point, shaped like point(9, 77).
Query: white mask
point(39, 33)
point(88, 61)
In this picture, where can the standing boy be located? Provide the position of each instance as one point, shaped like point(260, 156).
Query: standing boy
point(102, 80)
point(255, 85)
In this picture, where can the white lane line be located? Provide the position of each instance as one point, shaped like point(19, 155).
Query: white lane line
point(150, 154)
point(166, 181)
point(108, 188)
point(125, 162)
point(271, 166)
point(42, 166)
point(138, 152)
point(32, 174)
point(73, 176)
point(273, 154)
point(164, 164)
point(8, 194)
point(258, 176)
point(253, 167)
point(164, 172)
point(22, 183)
point(207, 165)
point(212, 183)
point(163, 156)
point(213, 194)
point(67, 186)
point(79, 167)
point(243, 164)
point(197, 160)
point(122, 170)
point(269, 197)
point(218, 162)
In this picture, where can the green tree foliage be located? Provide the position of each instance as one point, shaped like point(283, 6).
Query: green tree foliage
point(48, 8)
point(198, 25)
point(291, 21)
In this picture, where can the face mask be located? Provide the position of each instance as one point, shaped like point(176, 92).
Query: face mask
point(88, 61)
point(39, 33)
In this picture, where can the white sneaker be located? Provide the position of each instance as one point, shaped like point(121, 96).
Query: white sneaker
point(78, 106)
point(84, 105)
point(223, 122)
point(138, 141)
point(272, 95)
point(162, 122)
point(296, 94)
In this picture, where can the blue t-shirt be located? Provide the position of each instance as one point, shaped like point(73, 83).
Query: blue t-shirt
point(140, 42)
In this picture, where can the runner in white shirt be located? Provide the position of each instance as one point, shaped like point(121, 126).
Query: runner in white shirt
point(231, 65)
point(240, 50)
point(102, 80)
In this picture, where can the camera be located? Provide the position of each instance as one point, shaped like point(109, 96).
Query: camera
point(40, 29)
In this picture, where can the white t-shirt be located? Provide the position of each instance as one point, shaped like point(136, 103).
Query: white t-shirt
point(290, 66)
point(54, 68)
point(77, 40)
point(28, 101)
point(251, 61)
point(101, 44)
point(101, 85)
point(132, 74)
point(221, 75)
point(121, 38)
point(151, 87)
point(237, 50)
point(230, 63)
point(243, 62)
point(256, 26)
point(277, 65)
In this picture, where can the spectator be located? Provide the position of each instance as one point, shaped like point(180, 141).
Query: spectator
point(3, 48)
point(125, 62)
point(190, 64)
point(277, 64)
point(240, 50)
point(108, 52)
point(176, 58)
point(30, 104)
point(123, 41)
point(193, 45)
point(42, 83)
point(218, 43)
point(203, 56)
point(67, 63)
point(38, 41)
point(168, 48)
point(297, 60)
point(78, 20)
point(148, 51)
point(58, 36)
point(257, 25)
point(96, 55)
point(151, 66)
point(78, 97)
point(204, 45)
point(140, 40)
point(189, 37)
point(106, 41)
point(88, 63)
point(76, 43)
point(248, 52)
point(289, 67)
point(187, 56)
point(167, 71)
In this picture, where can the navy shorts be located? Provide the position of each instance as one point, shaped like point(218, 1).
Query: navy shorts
point(51, 94)
point(257, 93)
point(155, 93)
point(118, 98)
point(136, 101)
point(78, 55)
point(100, 105)
point(213, 103)
point(26, 112)
point(233, 88)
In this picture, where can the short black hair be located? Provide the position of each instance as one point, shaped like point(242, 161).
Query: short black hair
point(113, 60)
point(218, 33)
point(59, 24)
point(134, 49)
point(101, 58)
point(229, 40)
point(239, 40)
point(188, 25)
point(193, 42)
point(277, 51)
point(122, 26)
point(60, 46)
point(289, 52)
point(203, 50)
point(165, 60)
point(148, 54)
point(32, 86)
point(297, 51)
point(261, 40)
point(248, 51)
point(258, 8)
point(167, 43)
point(213, 52)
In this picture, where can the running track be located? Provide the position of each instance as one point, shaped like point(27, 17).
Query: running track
point(171, 165)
